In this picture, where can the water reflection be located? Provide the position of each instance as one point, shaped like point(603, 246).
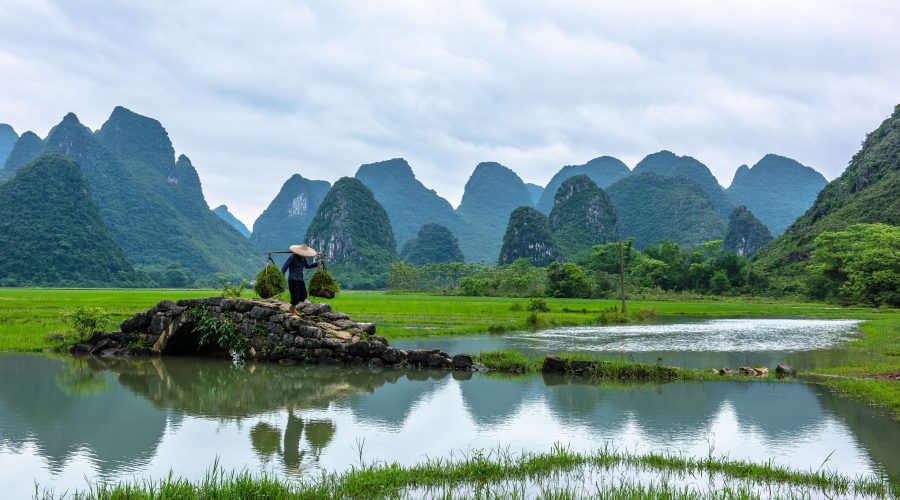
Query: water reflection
point(69, 419)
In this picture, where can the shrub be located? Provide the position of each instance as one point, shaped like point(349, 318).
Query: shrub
point(84, 321)
point(269, 282)
point(538, 305)
point(567, 280)
point(231, 291)
point(516, 307)
point(221, 332)
point(611, 316)
point(645, 314)
point(533, 320)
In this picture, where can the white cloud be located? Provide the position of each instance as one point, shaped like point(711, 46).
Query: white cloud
point(254, 92)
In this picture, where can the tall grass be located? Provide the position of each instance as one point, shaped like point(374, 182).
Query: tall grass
point(502, 473)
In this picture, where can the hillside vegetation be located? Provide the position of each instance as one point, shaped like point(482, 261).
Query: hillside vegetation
point(867, 192)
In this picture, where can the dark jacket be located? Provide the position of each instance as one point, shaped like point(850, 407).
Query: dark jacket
point(296, 265)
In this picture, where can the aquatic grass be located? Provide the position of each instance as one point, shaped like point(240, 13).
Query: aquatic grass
point(495, 473)
point(512, 361)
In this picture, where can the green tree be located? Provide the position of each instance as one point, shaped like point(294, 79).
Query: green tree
point(859, 264)
point(567, 280)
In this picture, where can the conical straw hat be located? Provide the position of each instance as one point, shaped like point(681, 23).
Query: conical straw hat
point(303, 250)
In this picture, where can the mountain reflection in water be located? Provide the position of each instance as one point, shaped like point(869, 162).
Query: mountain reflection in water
point(64, 419)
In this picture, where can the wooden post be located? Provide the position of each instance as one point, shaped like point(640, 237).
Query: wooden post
point(622, 276)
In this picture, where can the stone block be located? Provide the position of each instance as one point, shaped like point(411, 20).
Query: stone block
point(158, 324)
point(243, 306)
point(462, 362)
point(392, 356)
point(260, 313)
point(553, 364)
point(274, 328)
point(138, 322)
point(334, 316)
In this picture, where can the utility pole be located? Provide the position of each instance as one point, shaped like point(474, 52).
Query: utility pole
point(622, 276)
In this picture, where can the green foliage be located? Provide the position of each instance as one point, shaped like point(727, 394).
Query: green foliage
point(355, 232)
point(858, 265)
point(323, 284)
point(288, 217)
point(745, 233)
point(528, 237)
point(51, 232)
point(231, 290)
point(538, 305)
point(777, 190)
point(582, 216)
point(408, 203)
point(269, 282)
point(653, 208)
point(84, 321)
point(603, 171)
point(433, 244)
point(868, 192)
point(222, 332)
point(491, 194)
point(567, 280)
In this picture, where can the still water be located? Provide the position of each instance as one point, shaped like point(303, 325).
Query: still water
point(64, 421)
point(804, 343)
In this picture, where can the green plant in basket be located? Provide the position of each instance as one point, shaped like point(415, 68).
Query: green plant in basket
point(323, 283)
point(269, 282)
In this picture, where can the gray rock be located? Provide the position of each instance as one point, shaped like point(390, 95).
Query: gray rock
point(553, 364)
point(375, 363)
point(581, 367)
point(334, 316)
point(243, 306)
point(364, 329)
point(136, 323)
point(287, 362)
point(785, 370)
point(274, 328)
point(227, 304)
point(439, 360)
point(360, 349)
point(260, 313)
point(376, 349)
point(310, 332)
point(392, 356)
point(725, 372)
point(462, 362)
point(158, 324)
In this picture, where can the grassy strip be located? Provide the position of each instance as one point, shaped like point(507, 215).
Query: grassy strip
point(510, 361)
point(494, 469)
point(865, 380)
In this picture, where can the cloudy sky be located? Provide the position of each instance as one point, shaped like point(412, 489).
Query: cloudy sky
point(256, 91)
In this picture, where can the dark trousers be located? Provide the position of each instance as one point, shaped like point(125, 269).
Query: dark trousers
point(298, 291)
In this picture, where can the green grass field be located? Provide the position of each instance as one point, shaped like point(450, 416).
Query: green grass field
point(28, 316)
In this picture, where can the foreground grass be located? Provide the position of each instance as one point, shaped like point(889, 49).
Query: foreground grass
point(502, 474)
point(869, 381)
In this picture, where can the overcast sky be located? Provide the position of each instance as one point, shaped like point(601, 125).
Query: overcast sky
point(255, 91)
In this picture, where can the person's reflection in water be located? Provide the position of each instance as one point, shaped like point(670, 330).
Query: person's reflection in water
point(293, 455)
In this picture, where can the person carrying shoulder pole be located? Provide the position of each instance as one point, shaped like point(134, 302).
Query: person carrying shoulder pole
point(294, 266)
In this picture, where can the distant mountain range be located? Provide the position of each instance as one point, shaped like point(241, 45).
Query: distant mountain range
point(225, 215)
point(153, 206)
point(152, 203)
point(777, 190)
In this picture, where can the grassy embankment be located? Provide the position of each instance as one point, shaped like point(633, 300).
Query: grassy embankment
point(500, 474)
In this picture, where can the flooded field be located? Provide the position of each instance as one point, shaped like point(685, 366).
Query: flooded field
point(805, 343)
point(74, 420)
